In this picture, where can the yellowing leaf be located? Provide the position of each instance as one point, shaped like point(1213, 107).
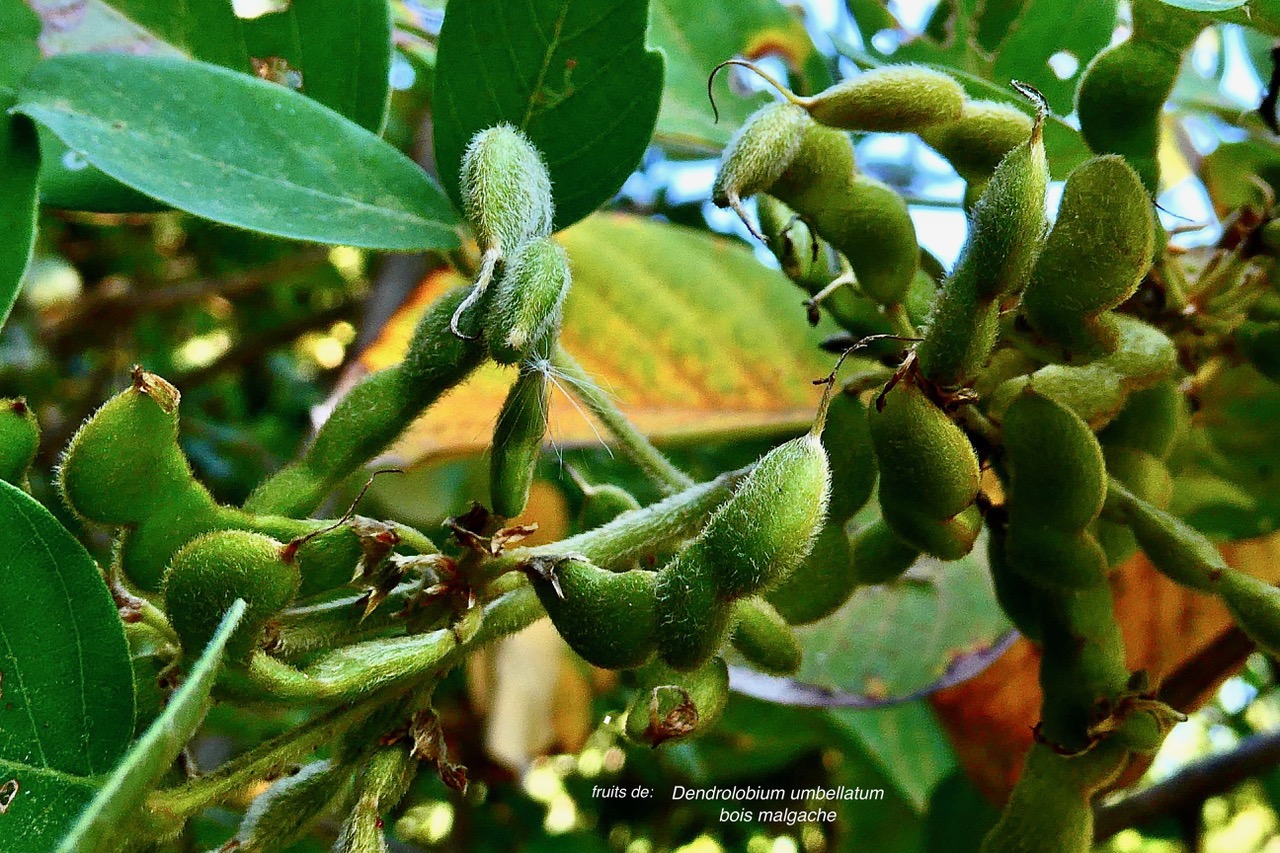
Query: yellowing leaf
point(690, 332)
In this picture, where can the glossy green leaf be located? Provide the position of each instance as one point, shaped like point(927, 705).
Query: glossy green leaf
point(871, 17)
point(237, 150)
point(206, 29)
point(1046, 28)
point(19, 152)
point(67, 686)
point(897, 639)
point(341, 50)
point(905, 741)
point(574, 75)
point(695, 42)
point(106, 820)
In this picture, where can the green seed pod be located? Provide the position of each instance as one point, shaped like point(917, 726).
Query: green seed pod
point(880, 555)
point(1008, 225)
point(124, 464)
point(1149, 479)
point(517, 440)
point(979, 139)
point(869, 224)
point(1255, 606)
point(1123, 90)
point(803, 255)
point(376, 411)
point(1259, 343)
point(1017, 596)
point(506, 190)
point(381, 784)
point(603, 503)
point(758, 154)
point(926, 461)
point(822, 583)
point(764, 638)
point(1176, 549)
point(1093, 260)
point(527, 300)
point(212, 571)
point(846, 437)
point(818, 173)
point(1056, 558)
point(1051, 808)
point(1151, 420)
point(693, 618)
point(1098, 391)
point(763, 533)
point(1057, 471)
point(284, 812)
point(890, 99)
point(19, 440)
point(608, 618)
point(946, 538)
point(676, 706)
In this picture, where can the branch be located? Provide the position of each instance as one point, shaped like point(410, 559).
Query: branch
point(1194, 784)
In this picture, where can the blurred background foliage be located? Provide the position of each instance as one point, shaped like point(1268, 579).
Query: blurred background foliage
point(259, 333)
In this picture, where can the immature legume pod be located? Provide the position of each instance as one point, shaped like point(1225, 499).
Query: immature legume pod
point(608, 618)
point(284, 812)
point(674, 706)
point(506, 189)
point(758, 154)
point(976, 142)
point(890, 99)
point(764, 638)
point(517, 440)
point(19, 440)
point(212, 571)
point(527, 300)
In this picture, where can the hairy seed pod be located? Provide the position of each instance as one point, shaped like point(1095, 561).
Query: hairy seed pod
point(527, 300)
point(805, 257)
point(693, 619)
point(376, 411)
point(608, 618)
point(1259, 343)
point(820, 169)
point(1151, 420)
point(1056, 558)
point(945, 538)
point(1148, 478)
point(890, 99)
point(846, 437)
point(603, 503)
point(675, 706)
point(1098, 391)
point(880, 555)
point(1051, 808)
point(1008, 225)
point(976, 142)
point(926, 461)
point(380, 785)
point(19, 440)
point(822, 583)
point(762, 534)
point(1057, 471)
point(123, 463)
point(1093, 260)
point(517, 440)
point(284, 812)
point(1017, 596)
point(1177, 550)
point(764, 638)
point(862, 218)
point(212, 571)
point(758, 154)
point(1255, 606)
point(506, 189)
point(1122, 92)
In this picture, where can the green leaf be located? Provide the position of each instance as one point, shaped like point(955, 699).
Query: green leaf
point(341, 49)
point(206, 29)
point(574, 75)
point(19, 152)
point(67, 709)
point(237, 150)
point(1046, 28)
point(871, 17)
point(897, 639)
point(695, 42)
point(905, 741)
point(106, 819)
